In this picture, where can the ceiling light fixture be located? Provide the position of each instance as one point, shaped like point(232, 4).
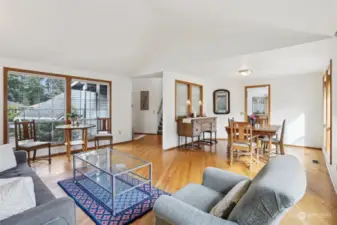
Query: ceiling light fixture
point(245, 72)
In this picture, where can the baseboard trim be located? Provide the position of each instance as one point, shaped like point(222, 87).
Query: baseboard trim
point(145, 133)
point(300, 146)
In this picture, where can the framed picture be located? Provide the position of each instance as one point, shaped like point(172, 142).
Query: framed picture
point(221, 101)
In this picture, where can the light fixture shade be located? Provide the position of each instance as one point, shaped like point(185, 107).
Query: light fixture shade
point(245, 72)
point(188, 102)
point(200, 102)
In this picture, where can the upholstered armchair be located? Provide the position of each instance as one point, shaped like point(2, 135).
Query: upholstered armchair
point(274, 190)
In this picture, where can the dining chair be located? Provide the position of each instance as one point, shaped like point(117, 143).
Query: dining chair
point(230, 120)
point(103, 131)
point(278, 140)
point(242, 142)
point(25, 139)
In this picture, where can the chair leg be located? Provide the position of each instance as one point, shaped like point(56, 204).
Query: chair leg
point(28, 158)
point(49, 154)
point(34, 155)
point(231, 157)
point(95, 144)
point(111, 143)
point(251, 158)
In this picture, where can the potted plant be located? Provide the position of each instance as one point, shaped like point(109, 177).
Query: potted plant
point(74, 118)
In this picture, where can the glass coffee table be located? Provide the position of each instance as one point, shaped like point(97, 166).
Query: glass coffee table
point(115, 179)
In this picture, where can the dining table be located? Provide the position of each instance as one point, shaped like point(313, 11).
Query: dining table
point(68, 139)
point(258, 130)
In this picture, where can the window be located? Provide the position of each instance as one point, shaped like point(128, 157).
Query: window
point(90, 100)
point(44, 97)
point(189, 99)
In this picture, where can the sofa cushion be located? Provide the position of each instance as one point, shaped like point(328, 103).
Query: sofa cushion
point(42, 193)
point(277, 187)
point(223, 208)
point(199, 196)
point(7, 159)
point(16, 196)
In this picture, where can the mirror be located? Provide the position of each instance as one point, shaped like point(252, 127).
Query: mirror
point(221, 101)
point(257, 104)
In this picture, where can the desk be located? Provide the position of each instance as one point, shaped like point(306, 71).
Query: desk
point(67, 133)
point(193, 127)
point(268, 130)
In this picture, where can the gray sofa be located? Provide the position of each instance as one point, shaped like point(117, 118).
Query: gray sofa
point(275, 189)
point(48, 210)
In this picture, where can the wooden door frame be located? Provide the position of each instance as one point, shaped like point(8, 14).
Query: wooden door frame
point(327, 79)
point(269, 99)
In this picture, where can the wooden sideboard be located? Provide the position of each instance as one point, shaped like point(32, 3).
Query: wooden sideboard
point(194, 127)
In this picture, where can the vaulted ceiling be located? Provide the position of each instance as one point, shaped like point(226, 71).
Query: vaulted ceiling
point(136, 37)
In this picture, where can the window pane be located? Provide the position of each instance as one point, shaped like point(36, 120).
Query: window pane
point(39, 98)
point(91, 101)
point(196, 97)
point(181, 99)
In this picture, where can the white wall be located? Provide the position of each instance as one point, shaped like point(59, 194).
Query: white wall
point(120, 99)
point(146, 121)
point(235, 87)
point(298, 99)
point(170, 138)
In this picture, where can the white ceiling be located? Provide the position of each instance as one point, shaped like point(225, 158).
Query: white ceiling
point(135, 37)
point(296, 60)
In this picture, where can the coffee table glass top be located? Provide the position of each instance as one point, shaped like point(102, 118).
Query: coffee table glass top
point(112, 161)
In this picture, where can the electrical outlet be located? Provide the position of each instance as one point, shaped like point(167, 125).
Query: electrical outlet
point(119, 132)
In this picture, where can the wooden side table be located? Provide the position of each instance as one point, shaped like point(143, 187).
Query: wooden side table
point(67, 132)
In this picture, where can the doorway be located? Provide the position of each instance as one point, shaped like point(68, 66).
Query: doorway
point(257, 103)
point(327, 112)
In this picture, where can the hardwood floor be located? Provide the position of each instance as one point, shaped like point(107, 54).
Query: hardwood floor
point(175, 168)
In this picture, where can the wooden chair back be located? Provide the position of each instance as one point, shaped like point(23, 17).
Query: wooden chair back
point(104, 125)
point(282, 137)
point(241, 132)
point(24, 131)
point(230, 120)
point(282, 131)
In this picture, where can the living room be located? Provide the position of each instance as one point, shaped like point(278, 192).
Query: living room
point(76, 86)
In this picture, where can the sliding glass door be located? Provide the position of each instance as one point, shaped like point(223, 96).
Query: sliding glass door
point(91, 101)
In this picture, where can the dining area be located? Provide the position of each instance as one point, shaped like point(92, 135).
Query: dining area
point(259, 142)
point(255, 137)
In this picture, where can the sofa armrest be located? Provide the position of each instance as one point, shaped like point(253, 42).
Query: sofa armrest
point(174, 211)
point(21, 156)
point(61, 208)
point(221, 180)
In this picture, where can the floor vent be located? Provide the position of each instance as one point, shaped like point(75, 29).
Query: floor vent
point(315, 161)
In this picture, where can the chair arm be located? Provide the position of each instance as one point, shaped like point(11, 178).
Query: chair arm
point(174, 211)
point(61, 208)
point(221, 180)
point(21, 156)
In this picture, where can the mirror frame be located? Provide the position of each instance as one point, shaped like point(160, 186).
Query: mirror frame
point(228, 102)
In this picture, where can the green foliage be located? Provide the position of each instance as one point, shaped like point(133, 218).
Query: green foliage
point(30, 90)
point(12, 112)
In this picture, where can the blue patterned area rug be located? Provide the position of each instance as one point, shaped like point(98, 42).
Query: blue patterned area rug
point(128, 210)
